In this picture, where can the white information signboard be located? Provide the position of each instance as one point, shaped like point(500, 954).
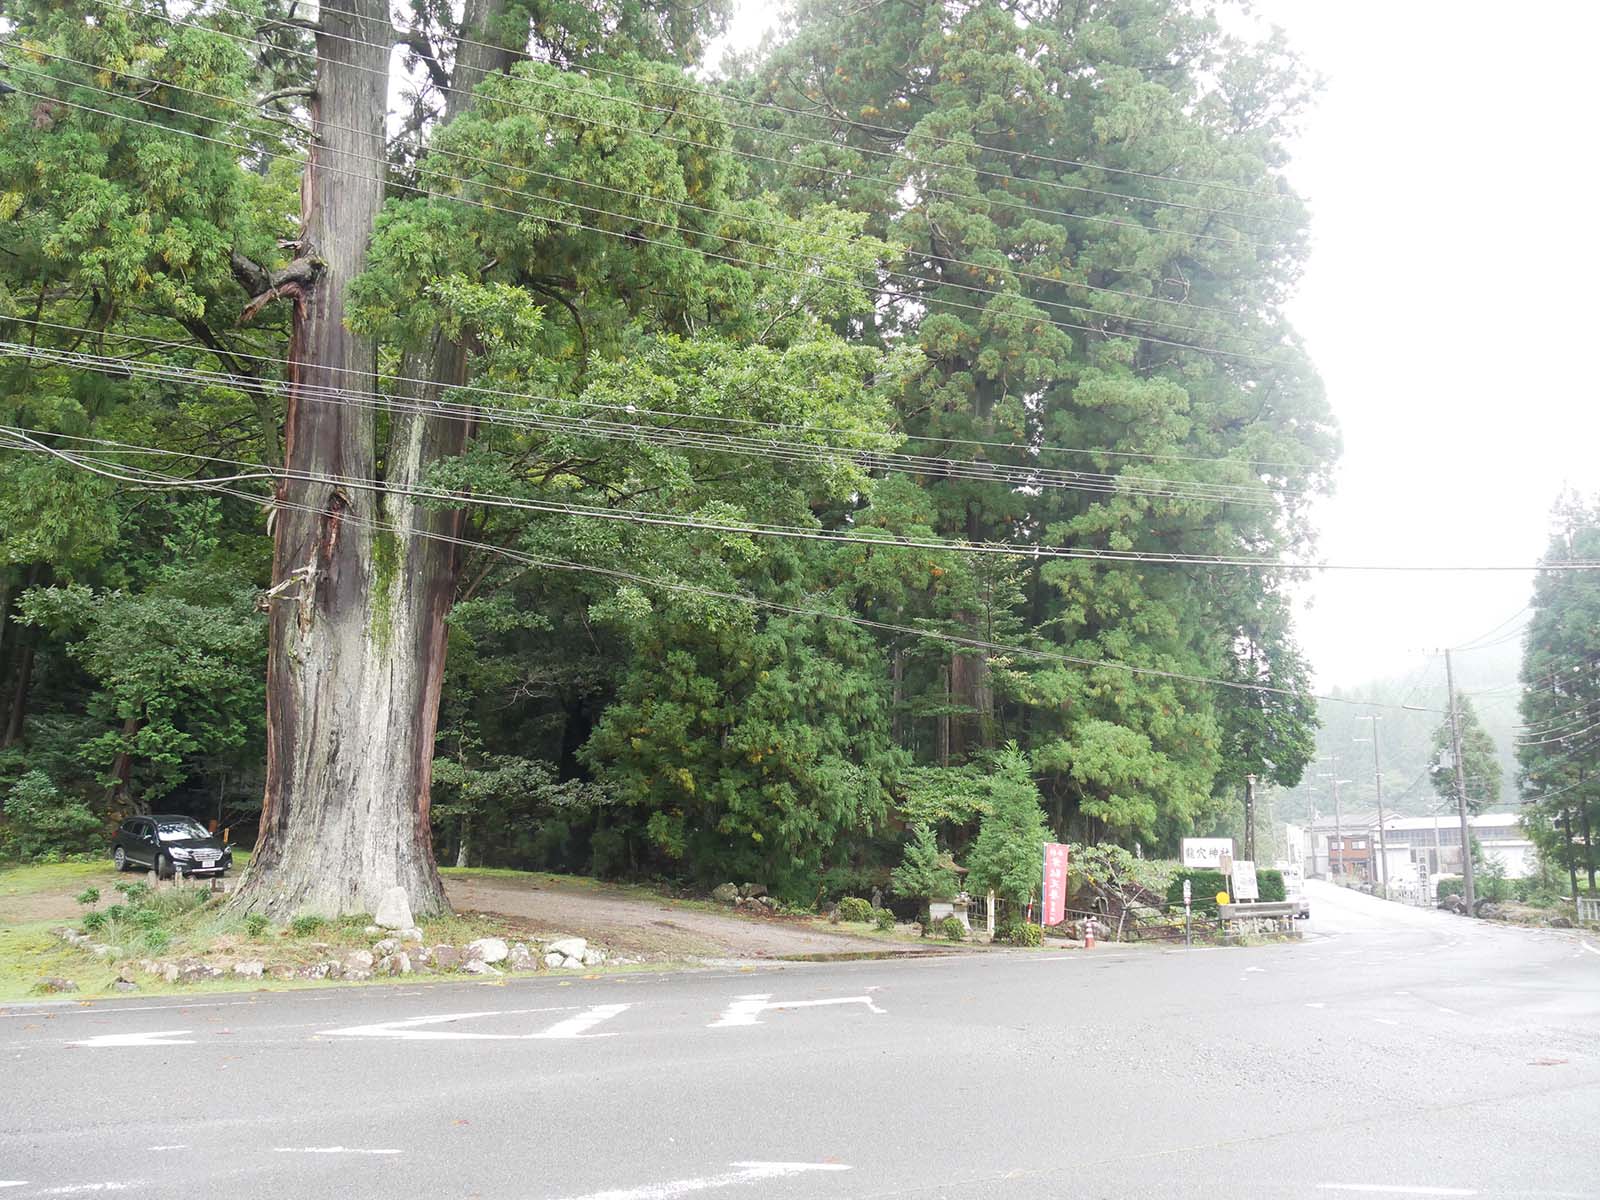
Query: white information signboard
point(1244, 880)
point(1206, 853)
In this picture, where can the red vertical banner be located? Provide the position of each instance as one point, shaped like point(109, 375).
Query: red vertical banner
point(1053, 910)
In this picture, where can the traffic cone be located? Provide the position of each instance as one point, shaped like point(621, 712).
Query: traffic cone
point(1088, 934)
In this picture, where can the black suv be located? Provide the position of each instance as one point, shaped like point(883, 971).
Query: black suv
point(169, 845)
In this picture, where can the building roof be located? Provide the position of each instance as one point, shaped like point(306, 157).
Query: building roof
point(1503, 824)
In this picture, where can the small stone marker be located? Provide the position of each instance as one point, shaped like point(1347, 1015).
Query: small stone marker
point(394, 910)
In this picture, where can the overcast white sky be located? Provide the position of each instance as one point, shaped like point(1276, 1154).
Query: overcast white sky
point(1449, 303)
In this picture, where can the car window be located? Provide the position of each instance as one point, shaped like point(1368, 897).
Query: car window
point(177, 831)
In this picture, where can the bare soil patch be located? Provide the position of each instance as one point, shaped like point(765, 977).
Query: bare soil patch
point(623, 920)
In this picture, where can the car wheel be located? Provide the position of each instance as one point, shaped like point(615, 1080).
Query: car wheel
point(120, 857)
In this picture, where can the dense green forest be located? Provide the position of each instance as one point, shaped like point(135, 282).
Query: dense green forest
point(712, 479)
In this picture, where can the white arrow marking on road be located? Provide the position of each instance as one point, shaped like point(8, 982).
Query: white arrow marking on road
point(413, 1029)
point(579, 1026)
point(747, 1172)
point(747, 1009)
point(159, 1037)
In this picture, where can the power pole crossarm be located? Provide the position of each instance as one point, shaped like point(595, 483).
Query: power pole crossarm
point(1467, 892)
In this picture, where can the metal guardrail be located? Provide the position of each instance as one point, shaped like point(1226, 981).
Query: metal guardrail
point(1589, 910)
point(1270, 908)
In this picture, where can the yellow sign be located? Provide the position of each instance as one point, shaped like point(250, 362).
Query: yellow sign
point(1222, 897)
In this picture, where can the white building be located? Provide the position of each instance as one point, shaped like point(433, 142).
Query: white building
point(1436, 841)
point(1408, 844)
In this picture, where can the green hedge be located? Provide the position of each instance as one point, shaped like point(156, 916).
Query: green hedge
point(1450, 885)
point(1206, 884)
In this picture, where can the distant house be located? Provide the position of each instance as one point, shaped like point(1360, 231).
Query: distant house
point(1350, 847)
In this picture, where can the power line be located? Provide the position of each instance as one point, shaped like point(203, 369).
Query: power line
point(712, 418)
point(787, 225)
point(148, 477)
point(886, 541)
point(592, 427)
point(905, 134)
point(635, 238)
point(664, 136)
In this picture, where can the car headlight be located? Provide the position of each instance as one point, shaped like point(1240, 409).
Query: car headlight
point(179, 853)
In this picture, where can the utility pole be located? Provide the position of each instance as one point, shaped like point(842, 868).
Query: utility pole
point(1338, 821)
point(1467, 892)
point(1250, 817)
point(1572, 855)
point(1383, 845)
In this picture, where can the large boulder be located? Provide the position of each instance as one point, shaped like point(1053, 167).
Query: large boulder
point(394, 910)
point(752, 891)
point(521, 959)
point(476, 966)
point(359, 960)
point(251, 969)
point(568, 947)
point(725, 893)
point(53, 984)
point(398, 963)
point(447, 958)
point(1453, 904)
point(593, 957)
point(489, 950)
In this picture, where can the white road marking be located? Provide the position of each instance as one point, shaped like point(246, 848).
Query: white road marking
point(1381, 1021)
point(169, 1147)
point(1589, 948)
point(1316, 1004)
point(83, 1008)
point(13, 1183)
point(1256, 970)
point(747, 1009)
point(1396, 1189)
point(579, 1026)
point(413, 1029)
point(156, 1037)
point(745, 1172)
point(328, 1150)
point(73, 1189)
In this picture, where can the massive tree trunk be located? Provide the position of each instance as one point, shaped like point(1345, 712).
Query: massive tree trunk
point(363, 576)
point(345, 812)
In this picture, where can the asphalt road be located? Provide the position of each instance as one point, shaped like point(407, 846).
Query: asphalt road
point(1392, 1052)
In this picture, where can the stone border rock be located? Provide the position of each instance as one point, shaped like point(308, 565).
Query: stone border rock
point(402, 952)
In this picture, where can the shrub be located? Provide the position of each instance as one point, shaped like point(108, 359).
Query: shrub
point(43, 822)
point(1206, 884)
point(94, 922)
point(1450, 885)
point(255, 924)
point(89, 897)
point(952, 930)
point(305, 925)
point(885, 920)
point(921, 875)
point(157, 940)
point(134, 893)
point(1024, 933)
point(854, 908)
point(1007, 854)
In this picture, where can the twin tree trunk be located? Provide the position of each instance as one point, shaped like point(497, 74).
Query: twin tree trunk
point(362, 581)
